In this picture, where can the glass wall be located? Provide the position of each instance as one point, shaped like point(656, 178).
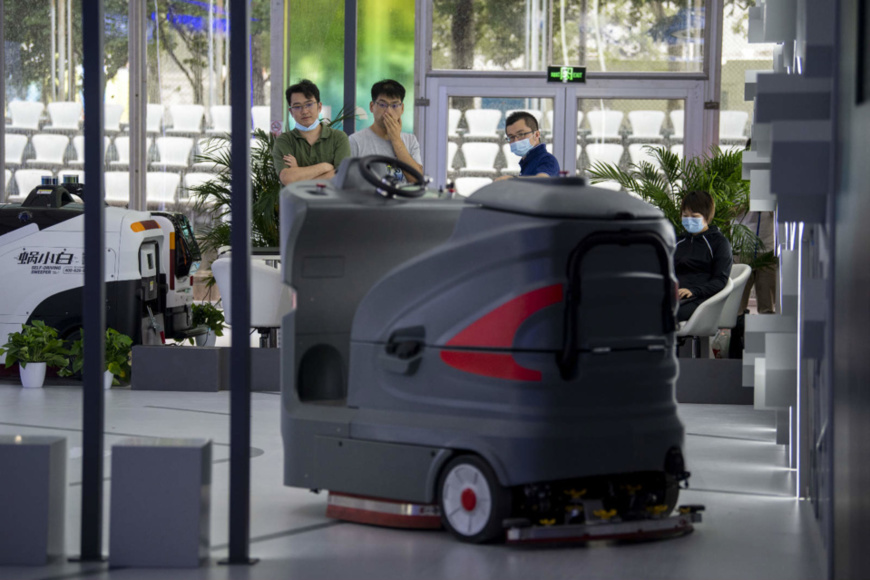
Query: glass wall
point(605, 35)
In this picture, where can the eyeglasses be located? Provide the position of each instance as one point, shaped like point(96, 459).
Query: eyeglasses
point(384, 106)
point(517, 137)
point(296, 109)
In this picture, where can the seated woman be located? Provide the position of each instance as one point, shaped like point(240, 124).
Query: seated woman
point(702, 259)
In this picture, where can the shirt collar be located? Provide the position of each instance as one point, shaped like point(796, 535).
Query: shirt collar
point(324, 133)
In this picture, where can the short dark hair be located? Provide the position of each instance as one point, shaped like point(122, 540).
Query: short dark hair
point(522, 116)
point(305, 87)
point(388, 88)
point(699, 201)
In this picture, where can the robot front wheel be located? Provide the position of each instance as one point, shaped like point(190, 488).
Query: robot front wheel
point(473, 503)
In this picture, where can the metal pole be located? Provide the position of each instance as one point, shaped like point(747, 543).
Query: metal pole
point(138, 103)
point(95, 287)
point(53, 18)
point(350, 29)
point(71, 78)
point(61, 49)
point(276, 64)
point(211, 87)
point(240, 354)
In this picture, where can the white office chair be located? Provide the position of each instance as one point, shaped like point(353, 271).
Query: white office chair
point(610, 153)
point(153, 118)
point(25, 115)
point(512, 161)
point(79, 147)
point(465, 186)
point(174, 152)
point(732, 124)
point(482, 122)
point(117, 187)
point(453, 117)
point(638, 153)
point(260, 117)
point(678, 120)
point(50, 149)
point(65, 116)
point(269, 304)
point(479, 157)
point(646, 124)
point(220, 120)
point(26, 180)
point(186, 118)
point(739, 277)
point(112, 117)
point(161, 187)
point(705, 320)
point(15, 145)
point(604, 124)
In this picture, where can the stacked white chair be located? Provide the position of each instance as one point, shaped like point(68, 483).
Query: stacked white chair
point(161, 187)
point(174, 152)
point(117, 187)
point(677, 150)
point(610, 153)
point(453, 117)
point(732, 124)
point(512, 162)
point(112, 117)
point(638, 153)
point(604, 124)
point(479, 157)
point(26, 180)
point(64, 115)
point(186, 118)
point(15, 145)
point(8, 175)
point(193, 179)
point(79, 147)
point(260, 115)
point(452, 148)
point(465, 186)
point(25, 115)
point(122, 148)
point(50, 149)
point(220, 119)
point(153, 118)
point(646, 124)
point(678, 120)
point(482, 122)
point(212, 147)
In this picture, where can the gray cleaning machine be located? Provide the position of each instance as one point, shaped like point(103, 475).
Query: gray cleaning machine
point(497, 363)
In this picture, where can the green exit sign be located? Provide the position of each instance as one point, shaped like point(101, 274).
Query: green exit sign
point(566, 74)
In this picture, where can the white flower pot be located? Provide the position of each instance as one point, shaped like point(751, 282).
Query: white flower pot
point(207, 339)
point(32, 375)
point(108, 377)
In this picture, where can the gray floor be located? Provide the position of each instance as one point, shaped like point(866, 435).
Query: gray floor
point(753, 526)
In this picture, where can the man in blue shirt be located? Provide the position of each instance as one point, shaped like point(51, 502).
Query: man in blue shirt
point(521, 131)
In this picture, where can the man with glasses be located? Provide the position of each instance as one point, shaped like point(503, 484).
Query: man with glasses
point(521, 131)
point(384, 136)
point(312, 150)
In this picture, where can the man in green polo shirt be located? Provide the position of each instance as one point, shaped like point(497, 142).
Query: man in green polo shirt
point(311, 150)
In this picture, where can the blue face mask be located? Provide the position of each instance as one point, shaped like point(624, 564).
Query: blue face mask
point(311, 127)
point(521, 147)
point(693, 225)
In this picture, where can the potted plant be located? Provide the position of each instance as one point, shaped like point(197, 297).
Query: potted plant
point(719, 173)
point(35, 348)
point(208, 314)
point(118, 353)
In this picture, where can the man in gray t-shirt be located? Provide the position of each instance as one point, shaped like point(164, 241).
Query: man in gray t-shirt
point(384, 136)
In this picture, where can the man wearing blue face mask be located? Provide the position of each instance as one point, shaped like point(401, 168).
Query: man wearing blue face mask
point(702, 258)
point(521, 131)
point(312, 150)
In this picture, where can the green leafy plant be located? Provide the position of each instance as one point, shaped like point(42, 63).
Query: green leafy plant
point(719, 173)
point(36, 343)
point(209, 315)
point(119, 348)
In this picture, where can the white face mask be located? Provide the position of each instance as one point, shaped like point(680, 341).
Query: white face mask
point(311, 127)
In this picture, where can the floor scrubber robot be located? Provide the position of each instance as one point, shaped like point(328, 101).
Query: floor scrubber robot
point(503, 365)
point(149, 262)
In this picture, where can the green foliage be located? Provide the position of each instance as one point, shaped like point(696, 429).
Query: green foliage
point(209, 315)
point(119, 349)
point(718, 173)
point(35, 343)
